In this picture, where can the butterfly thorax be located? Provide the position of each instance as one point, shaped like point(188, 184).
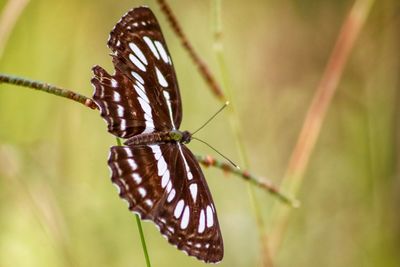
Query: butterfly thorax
point(181, 137)
point(158, 137)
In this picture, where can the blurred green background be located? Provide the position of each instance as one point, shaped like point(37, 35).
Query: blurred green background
point(58, 206)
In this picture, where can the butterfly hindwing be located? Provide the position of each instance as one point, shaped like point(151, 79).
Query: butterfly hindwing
point(119, 106)
point(164, 183)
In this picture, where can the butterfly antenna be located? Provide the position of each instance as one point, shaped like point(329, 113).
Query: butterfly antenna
point(212, 117)
point(225, 157)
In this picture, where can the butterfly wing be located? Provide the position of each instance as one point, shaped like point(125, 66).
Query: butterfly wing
point(164, 183)
point(143, 95)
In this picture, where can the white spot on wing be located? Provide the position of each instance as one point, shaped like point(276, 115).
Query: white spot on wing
point(149, 121)
point(169, 186)
point(140, 86)
point(161, 165)
point(116, 96)
point(185, 218)
point(156, 151)
point(162, 51)
point(179, 208)
point(128, 152)
point(122, 125)
point(142, 191)
point(147, 117)
point(149, 203)
point(141, 93)
point(150, 44)
point(165, 179)
point(168, 100)
point(161, 79)
point(132, 163)
point(171, 195)
point(136, 177)
point(210, 217)
point(202, 222)
point(193, 191)
point(145, 106)
point(135, 49)
point(120, 111)
point(149, 127)
point(137, 62)
point(114, 83)
point(137, 77)
point(188, 171)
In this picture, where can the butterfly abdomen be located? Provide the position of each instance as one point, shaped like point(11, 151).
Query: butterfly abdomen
point(149, 138)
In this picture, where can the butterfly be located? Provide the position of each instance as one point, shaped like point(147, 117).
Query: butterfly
point(155, 172)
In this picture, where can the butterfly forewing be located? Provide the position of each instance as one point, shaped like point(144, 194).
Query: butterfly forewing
point(145, 84)
point(161, 180)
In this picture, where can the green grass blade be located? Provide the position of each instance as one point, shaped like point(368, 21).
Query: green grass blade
point(140, 228)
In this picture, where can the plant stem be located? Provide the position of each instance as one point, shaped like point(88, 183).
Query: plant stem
point(143, 241)
point(235, 126)
point(141, 233)
point(202, 67)
point(316, 113)
point(260, 182)
point(48, 88)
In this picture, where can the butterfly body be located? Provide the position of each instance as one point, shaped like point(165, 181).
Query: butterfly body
point(154, 171)
point(159, 137)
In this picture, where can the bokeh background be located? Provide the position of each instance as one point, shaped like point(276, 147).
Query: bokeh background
point(58, 206)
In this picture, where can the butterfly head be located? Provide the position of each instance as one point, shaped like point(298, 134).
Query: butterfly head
point(182, 137)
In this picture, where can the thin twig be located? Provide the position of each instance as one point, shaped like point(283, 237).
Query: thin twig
point(237, 131)
point(317, 110)
point(143, 240)
point(48, 88)
point(203, 68)
point(260, 182)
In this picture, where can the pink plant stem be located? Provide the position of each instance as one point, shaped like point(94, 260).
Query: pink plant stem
point(316, 113)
